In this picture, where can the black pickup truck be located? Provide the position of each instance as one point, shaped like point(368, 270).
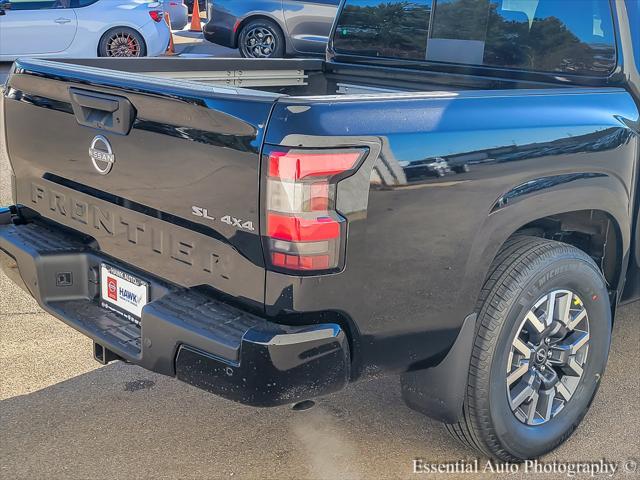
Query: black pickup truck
point(452, 196)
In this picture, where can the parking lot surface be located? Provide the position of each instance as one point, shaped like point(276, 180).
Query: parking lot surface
point(62, 415)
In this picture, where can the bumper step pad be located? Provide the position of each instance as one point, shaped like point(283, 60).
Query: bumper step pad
point(206, 316)
point(42, 238)
point(110, 328)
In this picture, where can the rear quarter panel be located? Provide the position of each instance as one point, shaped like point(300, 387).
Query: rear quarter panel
point(419, 245)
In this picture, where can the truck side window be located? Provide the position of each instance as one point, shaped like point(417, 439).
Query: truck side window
point(542, 35)
point(384, 28)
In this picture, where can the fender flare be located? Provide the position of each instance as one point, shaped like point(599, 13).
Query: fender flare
point(601, 192)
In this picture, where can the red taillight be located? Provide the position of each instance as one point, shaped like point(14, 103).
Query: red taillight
point(304, 231)
point(300, 262)
point(299, 229)
point(156, 15)
point(299, 166)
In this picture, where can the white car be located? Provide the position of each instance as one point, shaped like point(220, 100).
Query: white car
point(82, 28)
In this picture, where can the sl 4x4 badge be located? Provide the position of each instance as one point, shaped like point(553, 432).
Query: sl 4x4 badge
point(228, 219)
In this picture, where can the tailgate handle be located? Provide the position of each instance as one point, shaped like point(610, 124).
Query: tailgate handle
point(104, 112)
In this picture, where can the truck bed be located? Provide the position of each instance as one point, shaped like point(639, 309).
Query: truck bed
point(303, 77)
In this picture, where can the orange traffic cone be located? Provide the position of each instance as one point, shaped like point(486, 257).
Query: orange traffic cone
point(195, 18)
point(171, 49)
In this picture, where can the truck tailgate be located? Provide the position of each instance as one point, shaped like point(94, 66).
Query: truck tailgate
point(164, 175)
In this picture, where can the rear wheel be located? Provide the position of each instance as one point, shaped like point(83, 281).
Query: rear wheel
point(544, 327)
point(122, 42)
point(261, 39)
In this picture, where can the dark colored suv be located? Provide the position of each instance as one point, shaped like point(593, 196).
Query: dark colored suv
point(271, 28)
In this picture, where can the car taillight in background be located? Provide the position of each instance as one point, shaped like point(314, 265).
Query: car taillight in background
point(156, 15)
point(304, 232)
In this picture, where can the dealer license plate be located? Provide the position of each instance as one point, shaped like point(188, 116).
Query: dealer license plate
point(123, 293)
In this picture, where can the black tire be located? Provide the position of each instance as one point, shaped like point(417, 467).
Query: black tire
point(122, 40)
point(261, 38)
point(524, 271)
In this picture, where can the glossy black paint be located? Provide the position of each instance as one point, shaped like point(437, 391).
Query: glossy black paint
point(276, 367)
point(420, 244)
point(164, 166)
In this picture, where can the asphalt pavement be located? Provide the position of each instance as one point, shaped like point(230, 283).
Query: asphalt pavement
point(62, 415)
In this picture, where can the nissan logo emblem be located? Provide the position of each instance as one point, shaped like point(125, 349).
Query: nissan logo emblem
point(101, 155)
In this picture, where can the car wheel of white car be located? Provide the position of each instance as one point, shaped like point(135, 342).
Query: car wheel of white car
point(122, 42)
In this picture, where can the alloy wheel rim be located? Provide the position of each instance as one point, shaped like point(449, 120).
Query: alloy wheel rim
point(547, 357)
point(260, 42)
point(123, 44)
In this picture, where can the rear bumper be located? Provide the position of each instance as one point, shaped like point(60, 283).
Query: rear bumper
point(183, 332)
